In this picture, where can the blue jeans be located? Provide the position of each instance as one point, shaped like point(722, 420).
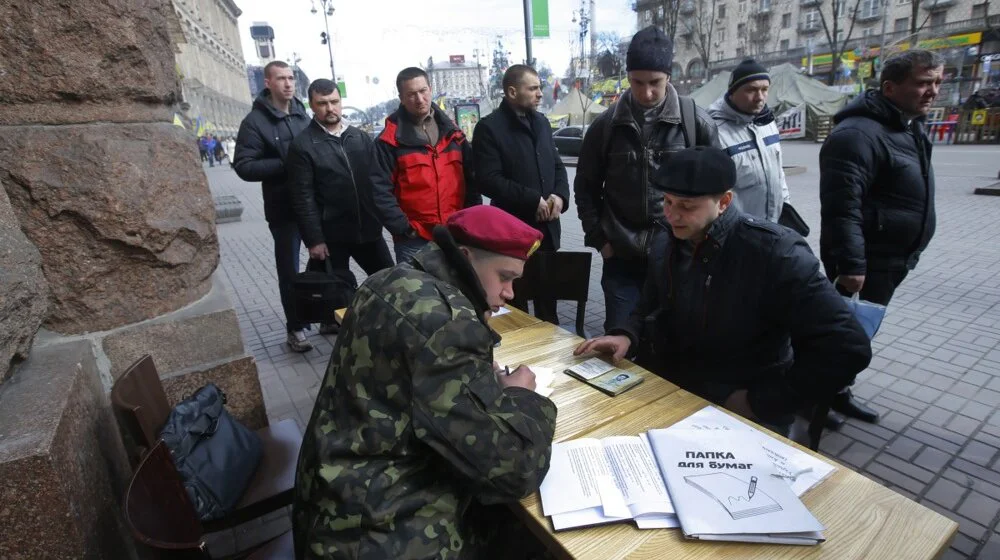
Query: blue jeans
point(287, 244)
point(622, 281)
point(406, 249)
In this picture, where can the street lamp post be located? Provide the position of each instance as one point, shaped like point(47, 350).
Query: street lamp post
point(327, 39)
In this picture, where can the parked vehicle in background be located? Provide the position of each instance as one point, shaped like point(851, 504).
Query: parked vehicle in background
point(569, 139)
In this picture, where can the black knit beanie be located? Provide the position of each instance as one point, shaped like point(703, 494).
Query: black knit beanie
point(747, 71)
point(650, 49)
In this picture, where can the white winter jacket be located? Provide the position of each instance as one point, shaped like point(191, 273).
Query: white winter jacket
point(753, 143)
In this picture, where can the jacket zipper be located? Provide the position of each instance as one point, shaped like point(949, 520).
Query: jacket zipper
point(704, 310)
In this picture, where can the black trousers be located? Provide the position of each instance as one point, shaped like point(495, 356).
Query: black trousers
point(372, 256)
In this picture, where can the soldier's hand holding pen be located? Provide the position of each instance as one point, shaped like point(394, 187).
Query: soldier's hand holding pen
point(520, 377)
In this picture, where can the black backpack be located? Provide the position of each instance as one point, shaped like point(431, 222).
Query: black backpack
point(215, 455)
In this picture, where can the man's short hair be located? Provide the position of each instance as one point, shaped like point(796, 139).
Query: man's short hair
point(407, 74)
point(512, 77)
point(898, 67)
point(274, 64)
point(322, 86)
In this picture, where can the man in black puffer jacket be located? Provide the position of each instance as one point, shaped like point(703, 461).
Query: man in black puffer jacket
point(261, 148)
point(877, 187)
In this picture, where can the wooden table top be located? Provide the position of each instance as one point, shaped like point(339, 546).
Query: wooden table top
point(863, 519)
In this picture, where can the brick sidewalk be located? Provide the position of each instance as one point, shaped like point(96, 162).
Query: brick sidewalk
point(935, 376)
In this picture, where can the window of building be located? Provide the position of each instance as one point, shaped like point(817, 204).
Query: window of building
point(901, 25)
point(838, 8)
point(722, 10)
point(784, 44)
point(765, 5)
point(869, 9)
point(938, 19)
point(741, 30)
point(720, 54)
point(811, 19)
point(721, 35)
point(786, 21)
point(688, 43)
point(740, 52)
point(743, 7)
point(902, 2)
point(979, 10)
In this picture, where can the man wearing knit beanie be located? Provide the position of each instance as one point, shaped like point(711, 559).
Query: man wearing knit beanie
point(621, 150)
point(750, 136)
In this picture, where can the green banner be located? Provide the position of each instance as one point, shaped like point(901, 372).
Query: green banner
point(540, 19)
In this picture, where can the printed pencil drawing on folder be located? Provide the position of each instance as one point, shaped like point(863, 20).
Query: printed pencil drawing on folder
point(739, 498)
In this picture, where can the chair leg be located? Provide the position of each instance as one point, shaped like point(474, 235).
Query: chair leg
point(581, 312)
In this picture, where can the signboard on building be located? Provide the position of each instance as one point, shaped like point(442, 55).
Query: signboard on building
point(467, 116)
point(792, 123)
point(456, 58)
point(979, 117)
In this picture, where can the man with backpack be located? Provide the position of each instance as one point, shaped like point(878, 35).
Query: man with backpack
point(623, 148)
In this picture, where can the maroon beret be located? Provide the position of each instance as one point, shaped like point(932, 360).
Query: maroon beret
point(491, 229)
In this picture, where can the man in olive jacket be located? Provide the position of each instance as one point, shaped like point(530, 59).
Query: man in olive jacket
point(414, 422)
point(518, 166)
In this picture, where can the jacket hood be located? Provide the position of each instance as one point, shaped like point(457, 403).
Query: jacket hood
point(873, 105)
point(723, 109)
point(671, 111)
point(263, 102)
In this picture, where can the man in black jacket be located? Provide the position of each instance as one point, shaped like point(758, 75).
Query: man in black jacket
point(261, 147)
point(877, 187)
point(328, 171)
point(518, 166)
point(735, 308)
point(622, 149)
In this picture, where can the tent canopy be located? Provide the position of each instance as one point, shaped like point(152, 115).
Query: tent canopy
point(789, 89)
point(576, 108)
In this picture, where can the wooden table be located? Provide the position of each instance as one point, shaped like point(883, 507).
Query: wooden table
point(863, 519)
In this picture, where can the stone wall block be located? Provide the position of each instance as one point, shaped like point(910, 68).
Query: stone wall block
point(123, 214)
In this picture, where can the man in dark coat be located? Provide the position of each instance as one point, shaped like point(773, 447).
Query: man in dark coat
point(622, 149)
point(261, 148)
point(877, 187)
point(328, 171)
point(518, 166)
point(735, 308)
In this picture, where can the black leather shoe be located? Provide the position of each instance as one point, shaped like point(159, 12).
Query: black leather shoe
point(846, 404)
point(834, 420)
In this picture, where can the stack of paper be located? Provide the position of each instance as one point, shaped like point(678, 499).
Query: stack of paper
point(592, 482)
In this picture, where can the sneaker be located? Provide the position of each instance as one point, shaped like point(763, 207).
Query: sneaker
point(329, 328)
point(298, 343)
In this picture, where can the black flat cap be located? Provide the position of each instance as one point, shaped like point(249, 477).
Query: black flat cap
point(697, 171)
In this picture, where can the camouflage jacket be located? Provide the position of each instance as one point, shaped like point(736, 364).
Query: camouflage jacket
point(410, 424)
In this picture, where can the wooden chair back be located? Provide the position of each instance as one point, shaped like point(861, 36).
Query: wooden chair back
point(140, 403)
point(560, 275)
point(158, 510)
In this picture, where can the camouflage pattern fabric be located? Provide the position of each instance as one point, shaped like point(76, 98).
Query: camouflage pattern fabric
point(410, 424)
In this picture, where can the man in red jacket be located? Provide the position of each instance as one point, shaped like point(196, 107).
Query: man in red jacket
point(421, 167)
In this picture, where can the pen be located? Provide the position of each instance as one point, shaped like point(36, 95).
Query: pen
point(753, 487)
point(506, 369)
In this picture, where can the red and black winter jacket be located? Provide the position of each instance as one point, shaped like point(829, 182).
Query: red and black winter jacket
point(416, 185)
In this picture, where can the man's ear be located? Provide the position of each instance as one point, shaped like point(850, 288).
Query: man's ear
point(465, 251)
point(726, 200)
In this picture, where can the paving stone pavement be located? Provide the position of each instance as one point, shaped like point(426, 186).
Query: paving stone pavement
point(935, 375)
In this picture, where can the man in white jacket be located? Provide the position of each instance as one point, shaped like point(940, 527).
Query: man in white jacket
point(749, 135)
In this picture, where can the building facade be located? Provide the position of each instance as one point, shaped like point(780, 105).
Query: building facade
point(456, 78)
point(724, 32)
point(211, 66)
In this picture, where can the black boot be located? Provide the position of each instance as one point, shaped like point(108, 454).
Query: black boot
point(846, 404)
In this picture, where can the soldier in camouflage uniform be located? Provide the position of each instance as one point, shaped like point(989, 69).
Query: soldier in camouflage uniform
point(413, 422)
